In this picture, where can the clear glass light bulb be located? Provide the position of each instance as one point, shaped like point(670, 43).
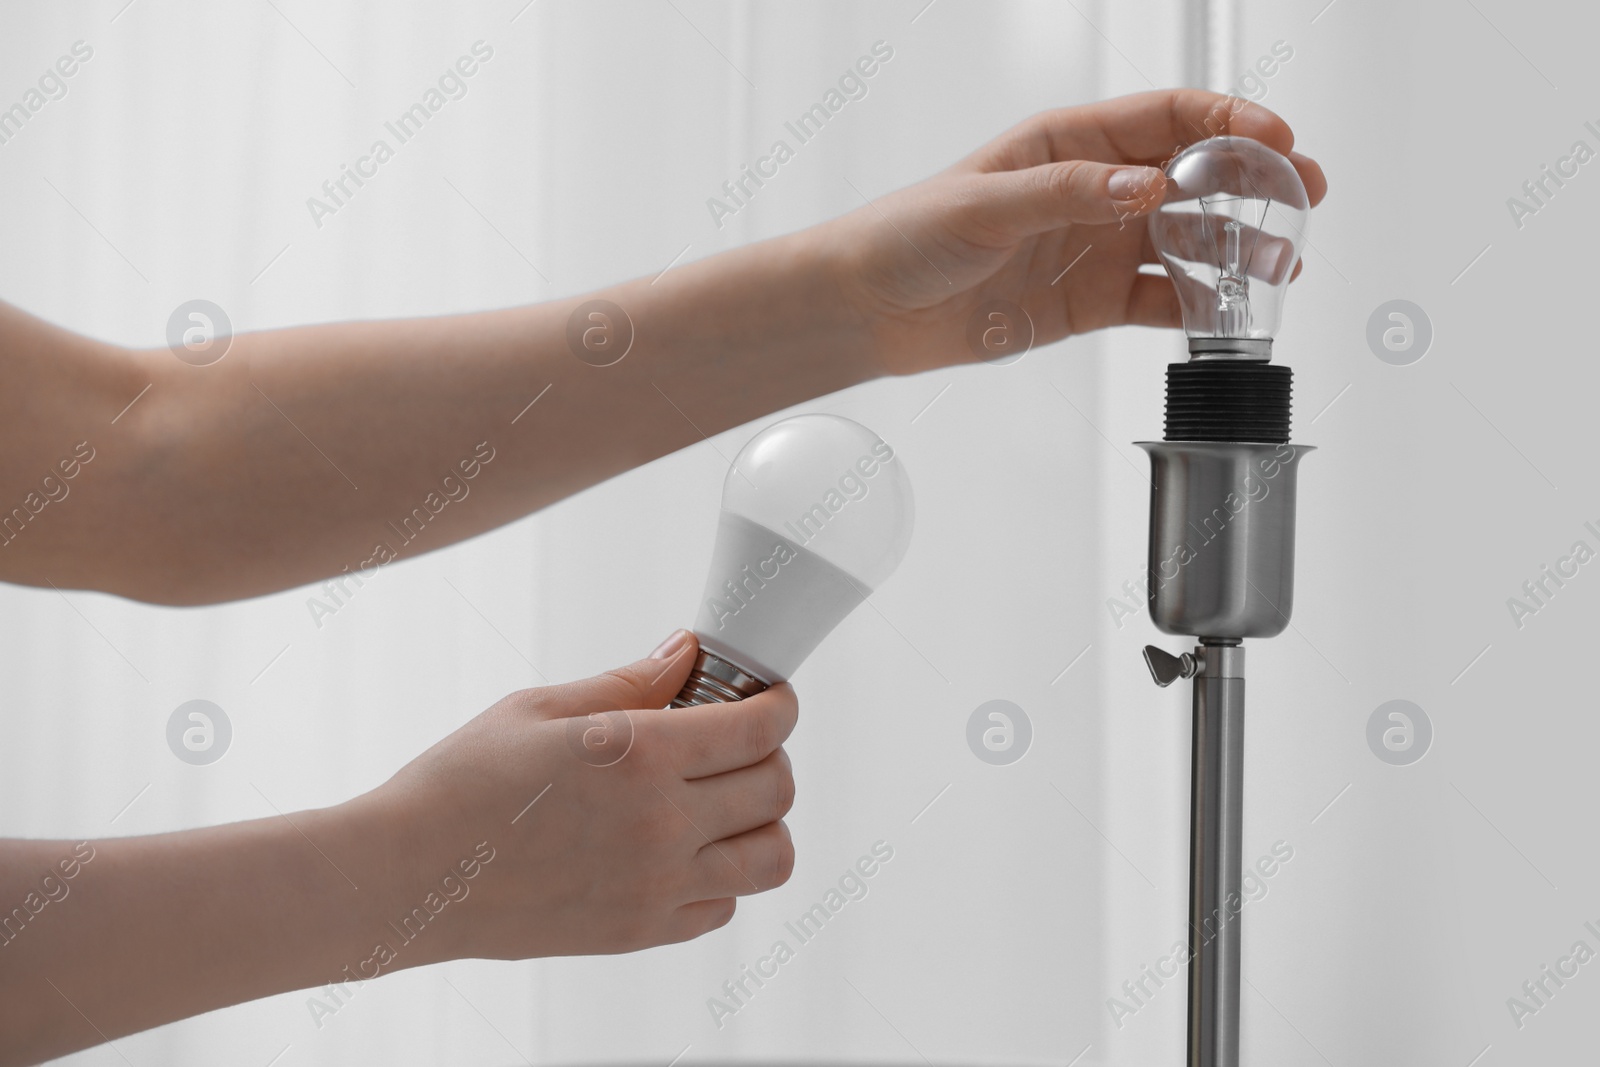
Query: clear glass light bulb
point(1230, 233)
point(817, 511)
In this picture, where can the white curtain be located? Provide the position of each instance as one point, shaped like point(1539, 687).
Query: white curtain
point(179, 164)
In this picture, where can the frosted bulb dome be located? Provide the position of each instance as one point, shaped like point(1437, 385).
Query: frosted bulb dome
point(817, 511)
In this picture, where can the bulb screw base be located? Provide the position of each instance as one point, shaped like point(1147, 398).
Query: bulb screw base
point(1231, 348)
point(716, 681)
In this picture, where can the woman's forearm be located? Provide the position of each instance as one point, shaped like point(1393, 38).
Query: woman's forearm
point(105, 938)
point(318, 450)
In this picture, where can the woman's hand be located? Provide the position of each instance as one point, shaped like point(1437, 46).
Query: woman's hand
point(1066, 188)
point(572, 819)
point(609, 823)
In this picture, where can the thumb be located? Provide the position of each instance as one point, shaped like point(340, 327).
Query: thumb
point(648, 683)
point(1021, 203)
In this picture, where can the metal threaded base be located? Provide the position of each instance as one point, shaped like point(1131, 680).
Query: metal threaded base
point(1228, 400)
point(1235, 348)
point(716, 681)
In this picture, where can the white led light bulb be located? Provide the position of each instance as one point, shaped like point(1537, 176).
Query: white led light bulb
point(817, 511)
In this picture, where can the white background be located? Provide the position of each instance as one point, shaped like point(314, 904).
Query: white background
point(1017, 903)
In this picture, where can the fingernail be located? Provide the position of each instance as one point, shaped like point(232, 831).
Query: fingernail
point(672, 645)
point(1133, 183)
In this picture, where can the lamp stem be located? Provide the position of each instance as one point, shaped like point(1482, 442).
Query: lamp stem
point(1216, 835)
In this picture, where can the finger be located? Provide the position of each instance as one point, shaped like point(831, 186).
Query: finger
point(731, 803)
point(648, 683)
point(1153, 126)
point(1152, 301)
point(1311, 177)
point(713, 738)
point(1147, 128)
point(1258, 271)
point(1021, 203)
point(751, 862)
point(1147, 249)
point(700, 917)
point(1195, 238)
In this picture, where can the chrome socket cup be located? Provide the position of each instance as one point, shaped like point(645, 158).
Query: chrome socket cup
point(1221, 561)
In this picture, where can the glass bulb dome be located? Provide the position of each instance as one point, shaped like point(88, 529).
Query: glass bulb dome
point(1229, 234)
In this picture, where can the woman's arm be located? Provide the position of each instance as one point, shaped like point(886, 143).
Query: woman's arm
point(305, 452)
point(556, 823)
